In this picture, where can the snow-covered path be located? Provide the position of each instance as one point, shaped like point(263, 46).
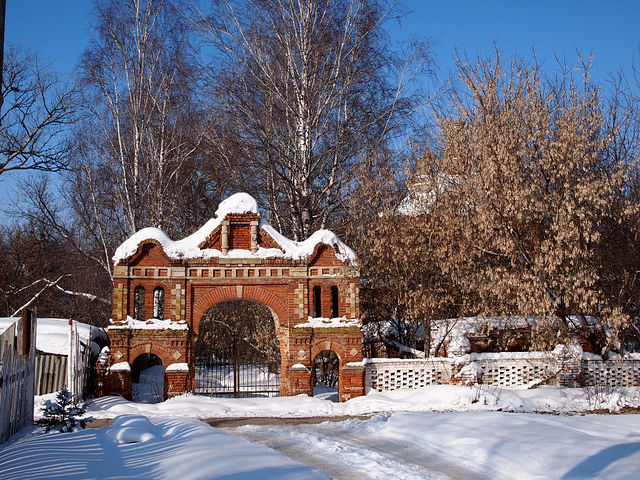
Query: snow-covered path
point(343, 452)
point(469, 445)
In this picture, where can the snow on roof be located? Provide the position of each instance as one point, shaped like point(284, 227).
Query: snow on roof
point(456, 330)
point(151, 324)
point(299, 250)
point(424, 192)
point(6, 322)
point(321, 322)
point(189, 247)
point(52, 334)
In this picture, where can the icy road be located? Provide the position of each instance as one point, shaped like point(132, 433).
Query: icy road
point(461, 445)
point(353, 450)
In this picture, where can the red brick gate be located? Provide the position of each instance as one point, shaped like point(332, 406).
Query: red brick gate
point(163, 287)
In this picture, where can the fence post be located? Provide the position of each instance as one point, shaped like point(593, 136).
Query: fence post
point(75, 365)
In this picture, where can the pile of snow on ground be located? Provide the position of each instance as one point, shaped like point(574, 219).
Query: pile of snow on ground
point(136, 447)
point(434, 398)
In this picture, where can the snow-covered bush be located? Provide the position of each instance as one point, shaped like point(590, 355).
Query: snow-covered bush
point(62, 415)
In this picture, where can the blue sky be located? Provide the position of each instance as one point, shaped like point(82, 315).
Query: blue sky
point(607, 29)
point(59, 31)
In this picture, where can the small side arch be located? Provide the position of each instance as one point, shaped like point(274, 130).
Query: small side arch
point(146, 348)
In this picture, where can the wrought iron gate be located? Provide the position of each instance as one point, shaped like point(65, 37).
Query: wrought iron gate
point(237, 369)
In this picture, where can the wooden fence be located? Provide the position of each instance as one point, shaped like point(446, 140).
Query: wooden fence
point(54, 372)
point(17, 369)
point(51, 373)
point(77, 363)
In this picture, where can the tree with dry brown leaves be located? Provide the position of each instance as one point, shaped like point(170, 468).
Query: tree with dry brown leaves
point(533, 195)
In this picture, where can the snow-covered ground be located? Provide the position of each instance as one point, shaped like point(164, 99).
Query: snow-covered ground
point(434, 398)
point(463, 445)
point(137, 448)
point(440, 431)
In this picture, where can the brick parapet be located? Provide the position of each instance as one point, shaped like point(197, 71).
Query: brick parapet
point(300, 381)
point(351, 383)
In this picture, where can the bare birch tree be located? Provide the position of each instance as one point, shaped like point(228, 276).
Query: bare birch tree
point(138, 149)
point(304, 91)
point(140, 140)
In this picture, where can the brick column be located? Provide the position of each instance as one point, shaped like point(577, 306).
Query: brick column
point(570, 368)
point(175, 383)
point(300, 380)
point(118, 383)
point(352, 381)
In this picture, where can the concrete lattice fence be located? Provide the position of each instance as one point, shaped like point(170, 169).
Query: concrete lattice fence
point(612, 373)
point(384, 374)
point(502, 370)
point(516, 370)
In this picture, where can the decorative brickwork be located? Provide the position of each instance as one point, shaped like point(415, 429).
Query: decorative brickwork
point(239, 260)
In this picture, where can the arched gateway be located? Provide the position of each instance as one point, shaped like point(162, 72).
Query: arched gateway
point(310, 287)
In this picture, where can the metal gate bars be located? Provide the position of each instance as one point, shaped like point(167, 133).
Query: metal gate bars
point(237, 369)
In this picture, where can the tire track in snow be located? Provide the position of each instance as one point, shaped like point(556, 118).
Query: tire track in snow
point(353, 453)
point(336, 458)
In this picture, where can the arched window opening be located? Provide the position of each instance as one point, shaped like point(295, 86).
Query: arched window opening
point(138, 303)
point(317, 302)
point(335, 311)
point(158, 303)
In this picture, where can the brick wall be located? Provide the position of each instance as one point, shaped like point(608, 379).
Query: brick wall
point(191, 286)
point(118, 383)
point(171, 346)
point(176, 383)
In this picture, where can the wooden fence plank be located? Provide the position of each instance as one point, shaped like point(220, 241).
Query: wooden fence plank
point(17, 376)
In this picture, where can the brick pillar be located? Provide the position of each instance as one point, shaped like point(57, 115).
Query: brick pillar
point(175, 383)
point(119, 383)
point(351, 381)
point(120, 300)
point(569, 365)
point(300, 380)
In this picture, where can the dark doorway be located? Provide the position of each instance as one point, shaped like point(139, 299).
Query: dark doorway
point(147, 379)
point(326, 367)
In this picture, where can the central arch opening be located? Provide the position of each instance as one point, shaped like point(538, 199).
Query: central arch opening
point(237, 351)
